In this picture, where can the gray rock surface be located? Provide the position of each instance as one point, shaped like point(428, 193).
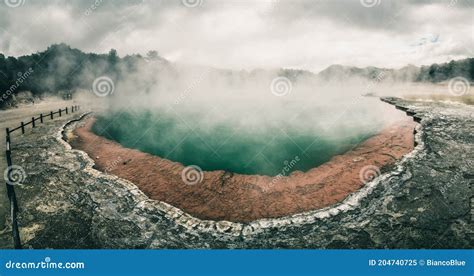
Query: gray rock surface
point(421, 202)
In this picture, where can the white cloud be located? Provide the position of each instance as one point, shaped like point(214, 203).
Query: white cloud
point(248, 34)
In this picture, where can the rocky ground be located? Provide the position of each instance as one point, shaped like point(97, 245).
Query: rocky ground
point(424, 202)
point(12, 118)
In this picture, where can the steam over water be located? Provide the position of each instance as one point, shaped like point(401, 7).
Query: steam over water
point(246, 128)
point(225, 146)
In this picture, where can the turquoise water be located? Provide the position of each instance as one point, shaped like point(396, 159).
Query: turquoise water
point(266, 149)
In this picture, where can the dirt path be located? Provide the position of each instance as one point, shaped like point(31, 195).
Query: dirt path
point(243, 198)
point(11, 118)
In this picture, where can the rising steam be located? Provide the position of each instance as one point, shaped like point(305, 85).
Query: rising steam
point(246, 122)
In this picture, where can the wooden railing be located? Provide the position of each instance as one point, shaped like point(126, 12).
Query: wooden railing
point(9, 181)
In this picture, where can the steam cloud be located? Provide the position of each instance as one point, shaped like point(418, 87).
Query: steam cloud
point(233, 120)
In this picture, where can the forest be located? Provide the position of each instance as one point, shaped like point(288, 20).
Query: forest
point(61, 70)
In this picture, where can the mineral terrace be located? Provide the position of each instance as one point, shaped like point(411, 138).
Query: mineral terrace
point(421, 202)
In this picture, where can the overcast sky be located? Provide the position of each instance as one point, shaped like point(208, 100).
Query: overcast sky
point(245, 34)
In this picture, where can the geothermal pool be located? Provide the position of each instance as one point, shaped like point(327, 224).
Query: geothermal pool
point(257, 146)
point(267, 164)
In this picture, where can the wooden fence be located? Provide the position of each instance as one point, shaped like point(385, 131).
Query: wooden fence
point(9, 181)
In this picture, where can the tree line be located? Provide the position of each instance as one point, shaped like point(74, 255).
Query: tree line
point(62, 69)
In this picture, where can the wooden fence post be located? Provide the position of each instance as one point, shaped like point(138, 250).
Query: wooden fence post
point(11, 195)
point(22, 128)
point(66, 110)
point(60, 112)
point(41, 118)
point(7, 130)
point(51, 115)
point(33, 122)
